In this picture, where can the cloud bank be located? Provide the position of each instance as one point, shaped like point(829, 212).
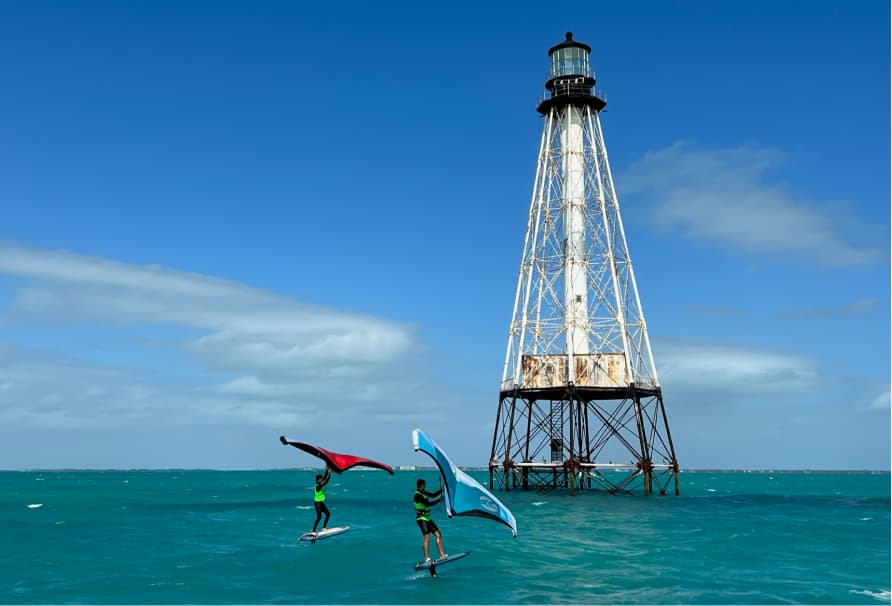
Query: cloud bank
point(255, 356)
point(194, 355)
point(722, 196)
point(703, 370)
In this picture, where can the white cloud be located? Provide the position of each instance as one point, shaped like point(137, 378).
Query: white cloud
point(729, 371)
point(861, 307)
point(50, 391)
point(55, 392)
point(881, 402)
point(722, 196)
point(245, 326)
point(258, 357)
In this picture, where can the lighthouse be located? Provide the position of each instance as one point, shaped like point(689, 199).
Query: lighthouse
point(580, 402)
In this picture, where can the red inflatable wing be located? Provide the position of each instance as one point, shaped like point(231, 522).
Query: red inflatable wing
point(338, 462)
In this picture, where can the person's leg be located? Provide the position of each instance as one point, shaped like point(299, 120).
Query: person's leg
point(327, 517)
point(424, 545)
point(318, 513)
point(426, 537)
point(439, 543)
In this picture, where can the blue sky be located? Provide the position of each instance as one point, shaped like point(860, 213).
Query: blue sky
point(224, 221)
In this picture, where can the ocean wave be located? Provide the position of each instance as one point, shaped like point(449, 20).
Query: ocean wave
point(884, 595)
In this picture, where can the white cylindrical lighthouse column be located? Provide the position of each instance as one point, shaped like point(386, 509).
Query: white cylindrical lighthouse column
point(575, 283)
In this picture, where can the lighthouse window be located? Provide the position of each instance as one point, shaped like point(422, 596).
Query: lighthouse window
point(569, 61)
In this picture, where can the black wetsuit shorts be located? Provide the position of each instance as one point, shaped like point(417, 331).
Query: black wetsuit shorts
point(427, 526)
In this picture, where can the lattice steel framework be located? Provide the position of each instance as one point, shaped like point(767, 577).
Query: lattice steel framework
point(580, 388)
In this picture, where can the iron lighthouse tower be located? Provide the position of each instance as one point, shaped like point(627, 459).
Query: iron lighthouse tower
point(580, 403)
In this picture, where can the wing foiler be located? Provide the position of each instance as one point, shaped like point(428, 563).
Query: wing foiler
point(463, 495)
point(338, 462)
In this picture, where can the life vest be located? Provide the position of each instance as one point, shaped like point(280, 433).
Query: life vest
point(319, 494)
point(421, 510)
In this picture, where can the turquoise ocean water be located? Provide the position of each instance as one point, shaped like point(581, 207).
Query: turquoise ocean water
point(158, 537)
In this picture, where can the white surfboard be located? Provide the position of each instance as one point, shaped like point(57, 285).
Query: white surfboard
point(323, 534)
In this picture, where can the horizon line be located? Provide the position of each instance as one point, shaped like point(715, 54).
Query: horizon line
point(425, 468)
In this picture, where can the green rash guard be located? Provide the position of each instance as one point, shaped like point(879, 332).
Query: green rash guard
point(423, 505)
point(319, 491)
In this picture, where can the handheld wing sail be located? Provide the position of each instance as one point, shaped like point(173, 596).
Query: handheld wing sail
point(463, 495)
point(338, 462)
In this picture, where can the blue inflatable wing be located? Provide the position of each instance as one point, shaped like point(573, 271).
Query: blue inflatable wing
point(463, 495)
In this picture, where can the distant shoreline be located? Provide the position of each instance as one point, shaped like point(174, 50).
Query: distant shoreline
point(405, 468)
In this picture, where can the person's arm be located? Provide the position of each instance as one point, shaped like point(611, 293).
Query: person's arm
point(326, 477)
point(431, 503)
point(424, 500)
